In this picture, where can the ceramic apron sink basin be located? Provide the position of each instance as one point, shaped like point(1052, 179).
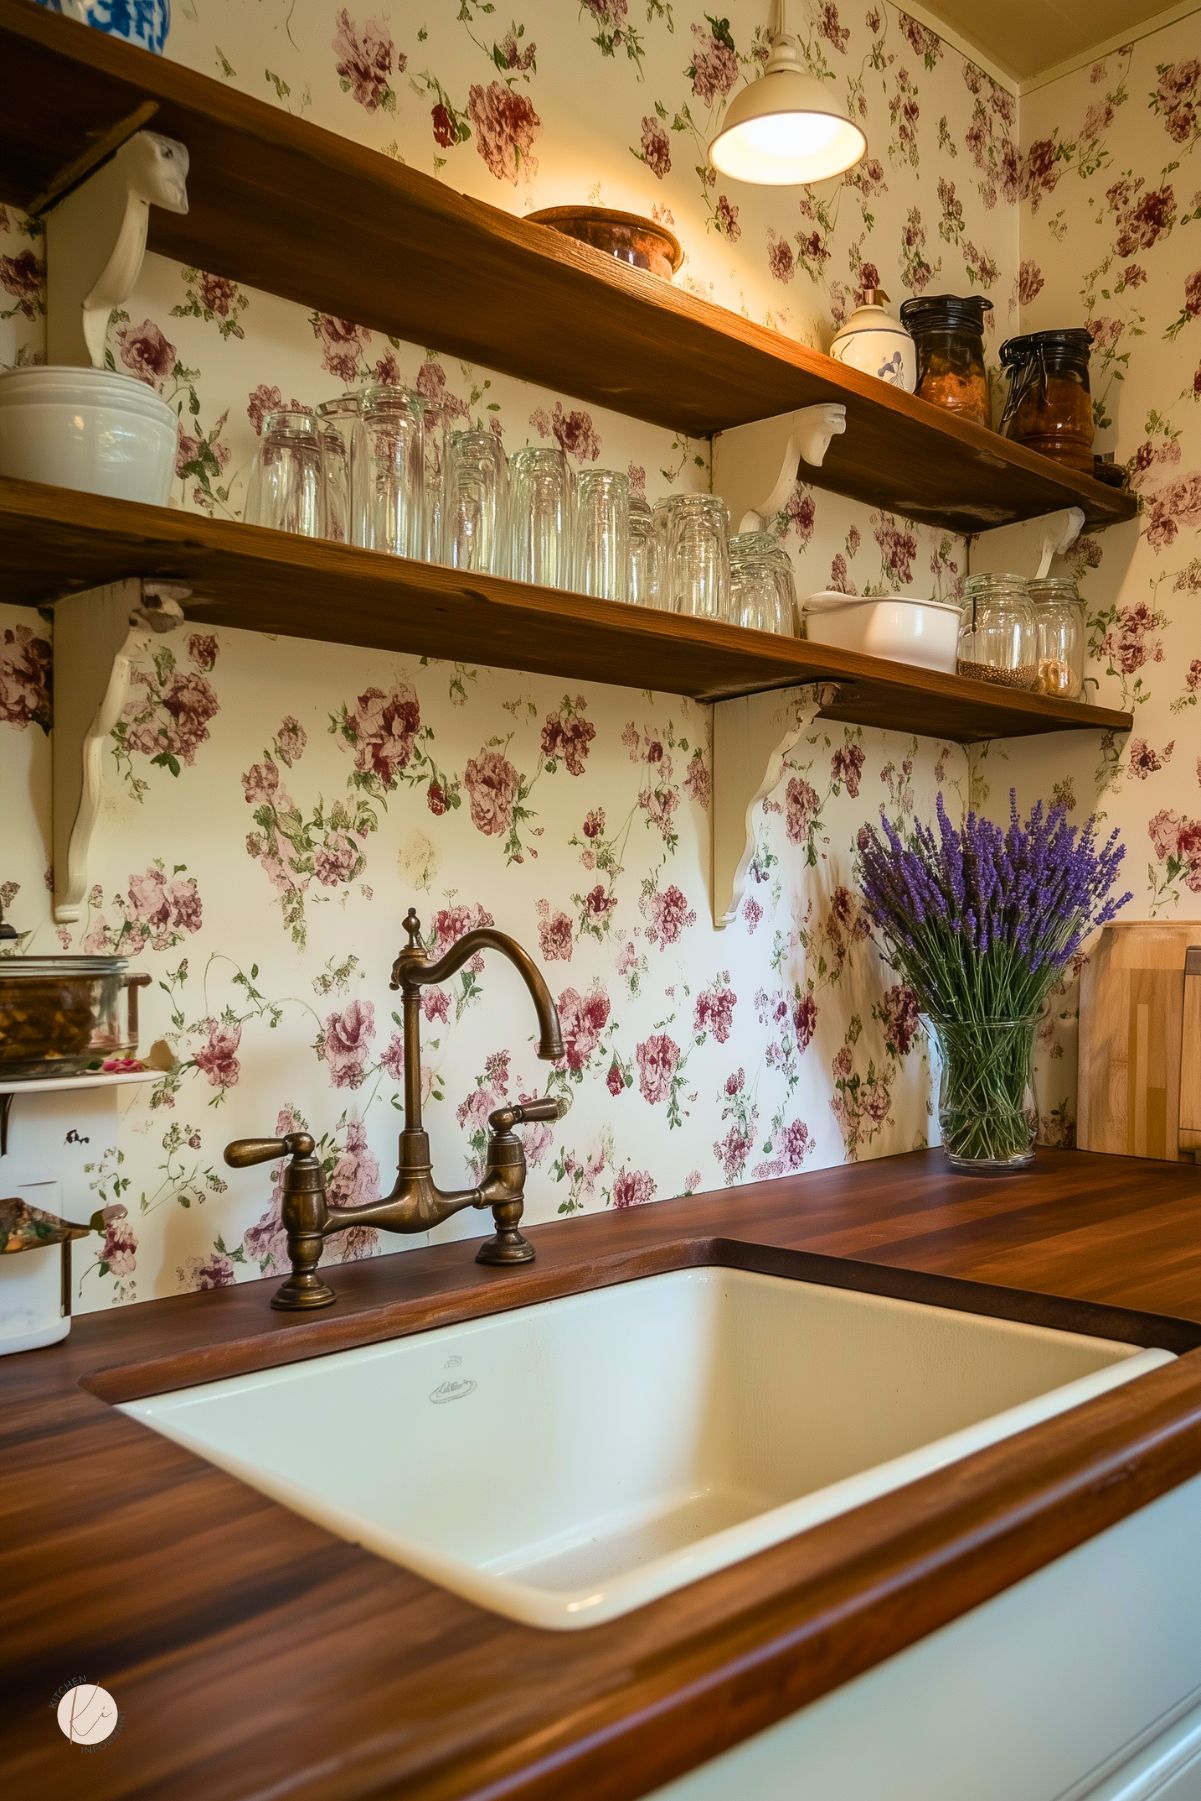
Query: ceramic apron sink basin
point(566, 1462)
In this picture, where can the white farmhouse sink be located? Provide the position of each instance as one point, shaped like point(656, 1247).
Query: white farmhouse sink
point(566, 1462)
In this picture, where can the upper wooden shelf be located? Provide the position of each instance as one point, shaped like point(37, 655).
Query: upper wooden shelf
point(54, 542)
point(282, 205)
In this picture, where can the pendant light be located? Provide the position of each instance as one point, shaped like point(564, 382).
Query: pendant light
point(786, 128)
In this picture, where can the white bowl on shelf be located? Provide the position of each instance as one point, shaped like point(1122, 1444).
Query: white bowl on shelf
point(903, 628)
point(87, 428)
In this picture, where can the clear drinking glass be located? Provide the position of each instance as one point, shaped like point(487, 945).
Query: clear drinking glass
point(387, 472)
point(762, 591)
point(644, 559)
point(541, 496)
point(338, 419)
point(343, 413)
point(286, 488)
point(473, 502)
point(602, 534)
point(435, 464)
point(335, 473)
point(693, 532)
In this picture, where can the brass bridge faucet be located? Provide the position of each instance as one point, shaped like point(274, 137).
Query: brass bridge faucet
point(416, 1202)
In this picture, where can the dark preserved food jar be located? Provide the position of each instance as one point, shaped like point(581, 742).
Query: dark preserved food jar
point(948, 331)
point(1049, 407)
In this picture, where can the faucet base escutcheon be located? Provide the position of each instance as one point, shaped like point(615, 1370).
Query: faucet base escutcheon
point(507, 1245)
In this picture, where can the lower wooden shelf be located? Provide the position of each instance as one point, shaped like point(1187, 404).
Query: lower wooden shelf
point(91, 1079)
point(55, 541)
point(99, 1078)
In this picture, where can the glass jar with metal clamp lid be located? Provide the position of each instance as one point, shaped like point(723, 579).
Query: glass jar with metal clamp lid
point(1060, 628)
point(998, 640)
point(1049, 407)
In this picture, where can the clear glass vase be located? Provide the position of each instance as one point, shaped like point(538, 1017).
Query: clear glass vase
point(986, 1106)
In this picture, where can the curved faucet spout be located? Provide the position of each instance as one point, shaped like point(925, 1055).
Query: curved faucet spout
point(411, 971)
point(416, 1203)
point(413, 1206)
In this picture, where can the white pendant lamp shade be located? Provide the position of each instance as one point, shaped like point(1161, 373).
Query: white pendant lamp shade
point(786, 128)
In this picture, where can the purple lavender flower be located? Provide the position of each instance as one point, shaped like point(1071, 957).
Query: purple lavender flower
point(981, 920)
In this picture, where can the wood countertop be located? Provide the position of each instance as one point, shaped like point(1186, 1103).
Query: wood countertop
point(254, 1656)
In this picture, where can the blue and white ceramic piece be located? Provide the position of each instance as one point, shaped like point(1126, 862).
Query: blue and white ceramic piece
point(875, 342)
point(141, 22)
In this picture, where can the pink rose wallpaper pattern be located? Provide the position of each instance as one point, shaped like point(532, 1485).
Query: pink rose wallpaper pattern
point(271, 811)
point(1111, 237)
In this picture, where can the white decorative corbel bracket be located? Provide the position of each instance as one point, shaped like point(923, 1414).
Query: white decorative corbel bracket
point(752, 737)
point(755, 466)
point(94, 636)
point(1028, 547)
point(96, 241)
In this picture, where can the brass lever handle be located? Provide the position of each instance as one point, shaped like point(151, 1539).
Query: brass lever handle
point(245, 1151)
point(303, 1212)
point(518, 1113)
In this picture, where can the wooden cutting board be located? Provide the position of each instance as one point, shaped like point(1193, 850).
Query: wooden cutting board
point(1140, 1041)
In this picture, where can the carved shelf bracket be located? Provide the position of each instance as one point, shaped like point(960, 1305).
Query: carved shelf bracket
point(1027, 548)
point(94, 637)
point(96, 241)
point(752, 737)
point(755, 466)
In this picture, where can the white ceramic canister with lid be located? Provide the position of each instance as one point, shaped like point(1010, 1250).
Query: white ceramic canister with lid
point(877, 343)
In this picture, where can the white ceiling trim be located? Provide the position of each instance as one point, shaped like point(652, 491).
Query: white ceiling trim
point(1170, 16)
point(926, 16)
point(1013, 84)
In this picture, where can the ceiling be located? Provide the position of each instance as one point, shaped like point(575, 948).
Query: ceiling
point(1027, 37)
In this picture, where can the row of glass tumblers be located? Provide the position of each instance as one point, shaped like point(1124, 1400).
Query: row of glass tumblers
point(364, 468)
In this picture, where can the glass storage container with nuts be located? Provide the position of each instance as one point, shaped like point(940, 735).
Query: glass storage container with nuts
point(1059, 624)
point(998, 641)
point(58, 1014)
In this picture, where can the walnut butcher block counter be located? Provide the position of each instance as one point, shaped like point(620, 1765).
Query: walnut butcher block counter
point(253, 1655)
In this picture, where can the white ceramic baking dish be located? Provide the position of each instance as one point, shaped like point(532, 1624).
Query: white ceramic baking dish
point(904, 628)
point(87, 428)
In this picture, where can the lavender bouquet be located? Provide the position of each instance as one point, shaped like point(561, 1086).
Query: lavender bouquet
point(980, 923)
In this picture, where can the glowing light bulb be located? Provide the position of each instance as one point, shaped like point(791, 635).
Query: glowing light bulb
point(786, 128)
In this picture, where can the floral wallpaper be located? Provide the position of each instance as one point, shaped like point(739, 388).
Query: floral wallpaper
point(1111, 236)
point(272, 809)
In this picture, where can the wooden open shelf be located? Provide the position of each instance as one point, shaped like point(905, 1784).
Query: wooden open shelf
point(54, 541)
point(282, 205)
point(90, 1079)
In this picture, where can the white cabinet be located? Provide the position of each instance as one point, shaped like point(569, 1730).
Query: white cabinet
point(1168, 1769)
point(1081, 1683)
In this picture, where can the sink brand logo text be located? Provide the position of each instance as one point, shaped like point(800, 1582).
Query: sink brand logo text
point(452, 1391)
